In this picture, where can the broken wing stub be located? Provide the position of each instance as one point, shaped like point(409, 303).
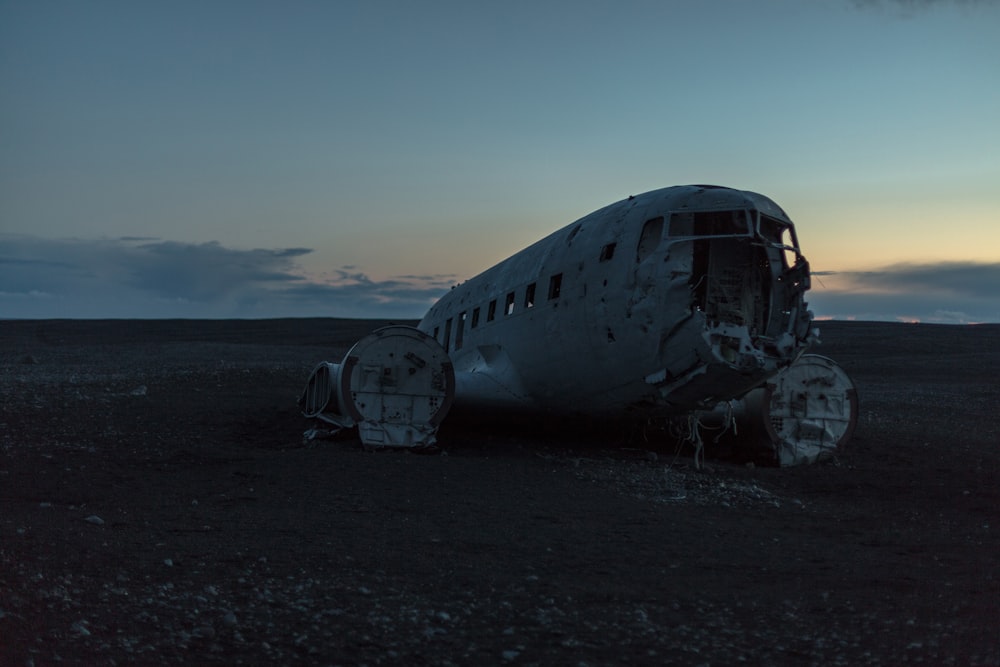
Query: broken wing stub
point(396, 385)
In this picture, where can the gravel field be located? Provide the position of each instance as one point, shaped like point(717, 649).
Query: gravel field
point(158, 505)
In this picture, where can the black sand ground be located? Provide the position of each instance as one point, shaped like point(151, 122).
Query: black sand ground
point(158, 505)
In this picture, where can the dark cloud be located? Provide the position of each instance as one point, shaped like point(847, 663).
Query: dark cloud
point(953, 292)
point(206, 271)
point(16, 261)
point(356, 287)
point(139, 277)
point(911, 8)
point(961, 279)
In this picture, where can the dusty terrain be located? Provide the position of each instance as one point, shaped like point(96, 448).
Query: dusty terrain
point(158, 506)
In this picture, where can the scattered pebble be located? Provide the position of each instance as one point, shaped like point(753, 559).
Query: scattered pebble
point(94, 519)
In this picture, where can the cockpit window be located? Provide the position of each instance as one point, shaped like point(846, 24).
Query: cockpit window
point(709, 223)
point(771, 229)
point(652, 233)
point(780, 233)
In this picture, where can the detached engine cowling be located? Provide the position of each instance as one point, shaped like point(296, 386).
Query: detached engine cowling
point(396, 385)
point(802, 415)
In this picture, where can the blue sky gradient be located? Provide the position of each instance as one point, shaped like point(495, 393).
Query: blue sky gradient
point(257, 159)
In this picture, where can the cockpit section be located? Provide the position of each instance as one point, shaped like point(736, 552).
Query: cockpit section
point(731, 283)
point(744, 284)
point(746, 269)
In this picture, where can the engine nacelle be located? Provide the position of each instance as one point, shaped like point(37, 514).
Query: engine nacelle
point(802, 415)
point(396, 385)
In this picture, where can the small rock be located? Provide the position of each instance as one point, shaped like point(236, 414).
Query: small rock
point(45, 504)
point(139, 391)
point(168, 562)
point(94, 519)
point(229, 620)
point(510, 655)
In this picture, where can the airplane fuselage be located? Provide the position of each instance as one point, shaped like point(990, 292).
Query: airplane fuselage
point(665, 302)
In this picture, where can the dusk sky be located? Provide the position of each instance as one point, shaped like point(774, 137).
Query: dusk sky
point(356, 159)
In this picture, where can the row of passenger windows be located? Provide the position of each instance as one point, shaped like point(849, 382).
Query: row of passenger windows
point(555, 289)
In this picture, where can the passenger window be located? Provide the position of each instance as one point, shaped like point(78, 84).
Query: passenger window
point(460, 331)
point(508, 307)
point(555, 286)
point(607, 252)
point(447, 334)
point(529, 296)
point(475, 318)
point(491, 311)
